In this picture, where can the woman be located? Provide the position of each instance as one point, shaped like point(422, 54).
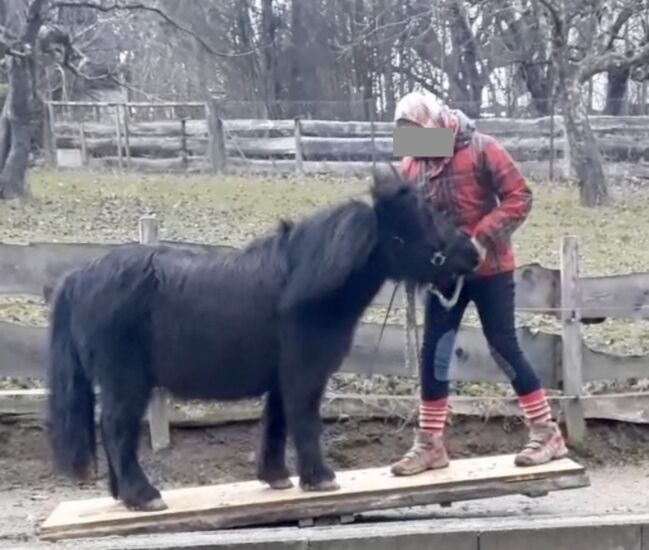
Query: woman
point(481, 189)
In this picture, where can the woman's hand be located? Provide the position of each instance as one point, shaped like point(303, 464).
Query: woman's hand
point(482, 251)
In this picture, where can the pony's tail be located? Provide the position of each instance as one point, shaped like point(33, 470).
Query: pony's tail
point(71, 402)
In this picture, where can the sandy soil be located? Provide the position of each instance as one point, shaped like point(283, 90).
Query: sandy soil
point(617, 456)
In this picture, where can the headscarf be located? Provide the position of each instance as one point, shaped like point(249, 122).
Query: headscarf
point(426, 110)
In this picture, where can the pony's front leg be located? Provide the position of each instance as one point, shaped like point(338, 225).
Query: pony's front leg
point(272, 455)
point(304, 379)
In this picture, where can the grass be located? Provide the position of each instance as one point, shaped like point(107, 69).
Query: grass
point(92, 207)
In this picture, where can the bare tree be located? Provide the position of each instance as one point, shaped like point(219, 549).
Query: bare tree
point(581, 48)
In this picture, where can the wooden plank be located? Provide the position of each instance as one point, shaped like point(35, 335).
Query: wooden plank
point(249, 503)
point(157, 411)
point(236, 125)
point(29, 268)
point(22, 352)
point(618, 296)
point(162, 104)
point(572, 340)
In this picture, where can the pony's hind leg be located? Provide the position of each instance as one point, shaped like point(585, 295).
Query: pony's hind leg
point(272, 460)
point(121, 422)
point(112, 476)
point(125, 391)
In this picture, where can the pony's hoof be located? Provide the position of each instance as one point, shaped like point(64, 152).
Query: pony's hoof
point(281, 484)
point(155, 505)
point(327, 485)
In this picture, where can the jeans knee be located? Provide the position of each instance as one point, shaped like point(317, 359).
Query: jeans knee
point(440, 358)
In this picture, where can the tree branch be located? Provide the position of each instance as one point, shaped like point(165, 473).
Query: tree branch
point(139, 6)
point(591, 65)
point(622, 17)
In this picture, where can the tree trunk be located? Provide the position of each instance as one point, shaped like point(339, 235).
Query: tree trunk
point(269, 59)
point(15, 131)
point(616, 100)
point(585, 157)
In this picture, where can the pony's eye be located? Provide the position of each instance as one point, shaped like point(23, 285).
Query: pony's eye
point(398, 239)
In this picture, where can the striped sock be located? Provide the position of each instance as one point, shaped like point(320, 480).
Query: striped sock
point(432, 416)
point(536, 407)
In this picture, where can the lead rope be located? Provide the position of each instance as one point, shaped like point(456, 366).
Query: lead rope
point(438, 260)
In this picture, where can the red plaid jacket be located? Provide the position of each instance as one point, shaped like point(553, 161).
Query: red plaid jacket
point(484, 193)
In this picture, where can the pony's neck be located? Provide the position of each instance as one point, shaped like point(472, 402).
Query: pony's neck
point(355, 296)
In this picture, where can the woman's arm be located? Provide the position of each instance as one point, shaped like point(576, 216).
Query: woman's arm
point(512, 190)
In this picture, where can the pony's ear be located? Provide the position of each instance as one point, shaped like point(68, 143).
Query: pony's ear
point(386, 182)
point(325, 251)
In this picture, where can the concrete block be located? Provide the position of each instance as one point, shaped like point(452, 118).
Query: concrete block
point(607, 537)
point(411, 541)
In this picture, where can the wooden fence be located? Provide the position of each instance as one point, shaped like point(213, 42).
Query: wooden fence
point(564, 362)
point(211, 143)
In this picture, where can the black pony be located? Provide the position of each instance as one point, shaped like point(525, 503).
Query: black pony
point(275, 318)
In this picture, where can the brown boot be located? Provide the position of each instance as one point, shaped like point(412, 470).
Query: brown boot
point(546, 444)
point(427, 453)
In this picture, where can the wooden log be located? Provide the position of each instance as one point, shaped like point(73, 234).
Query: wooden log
point(572, 344)
point(157, 412)
point(27, 406)
point(161, 128)
point(340, 148)
point(161, 105)
point(329, 128)
point(151, 147)
point(246, 126)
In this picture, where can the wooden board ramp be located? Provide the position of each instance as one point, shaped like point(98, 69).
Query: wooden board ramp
point(249, 503)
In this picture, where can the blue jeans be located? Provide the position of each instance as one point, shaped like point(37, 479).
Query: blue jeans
point(493, 297)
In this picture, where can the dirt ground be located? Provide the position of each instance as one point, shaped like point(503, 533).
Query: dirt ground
point(617, 456)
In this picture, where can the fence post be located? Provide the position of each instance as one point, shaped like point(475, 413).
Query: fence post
point(82, 142)
point(118, 137)
point(372, 113)
point(299, 168)
point(571, 361)
point(50, 137)
point(216, 138)
point(127, 136)
point(183, 142)
point(157, 413)
point(412, 350)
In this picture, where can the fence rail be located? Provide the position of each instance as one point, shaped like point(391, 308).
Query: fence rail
point(214, 143)
point(564, 362)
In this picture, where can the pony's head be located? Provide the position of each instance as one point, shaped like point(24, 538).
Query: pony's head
point(419, 244)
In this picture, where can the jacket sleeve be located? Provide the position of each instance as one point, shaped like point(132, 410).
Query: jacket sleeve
point(514, 195)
